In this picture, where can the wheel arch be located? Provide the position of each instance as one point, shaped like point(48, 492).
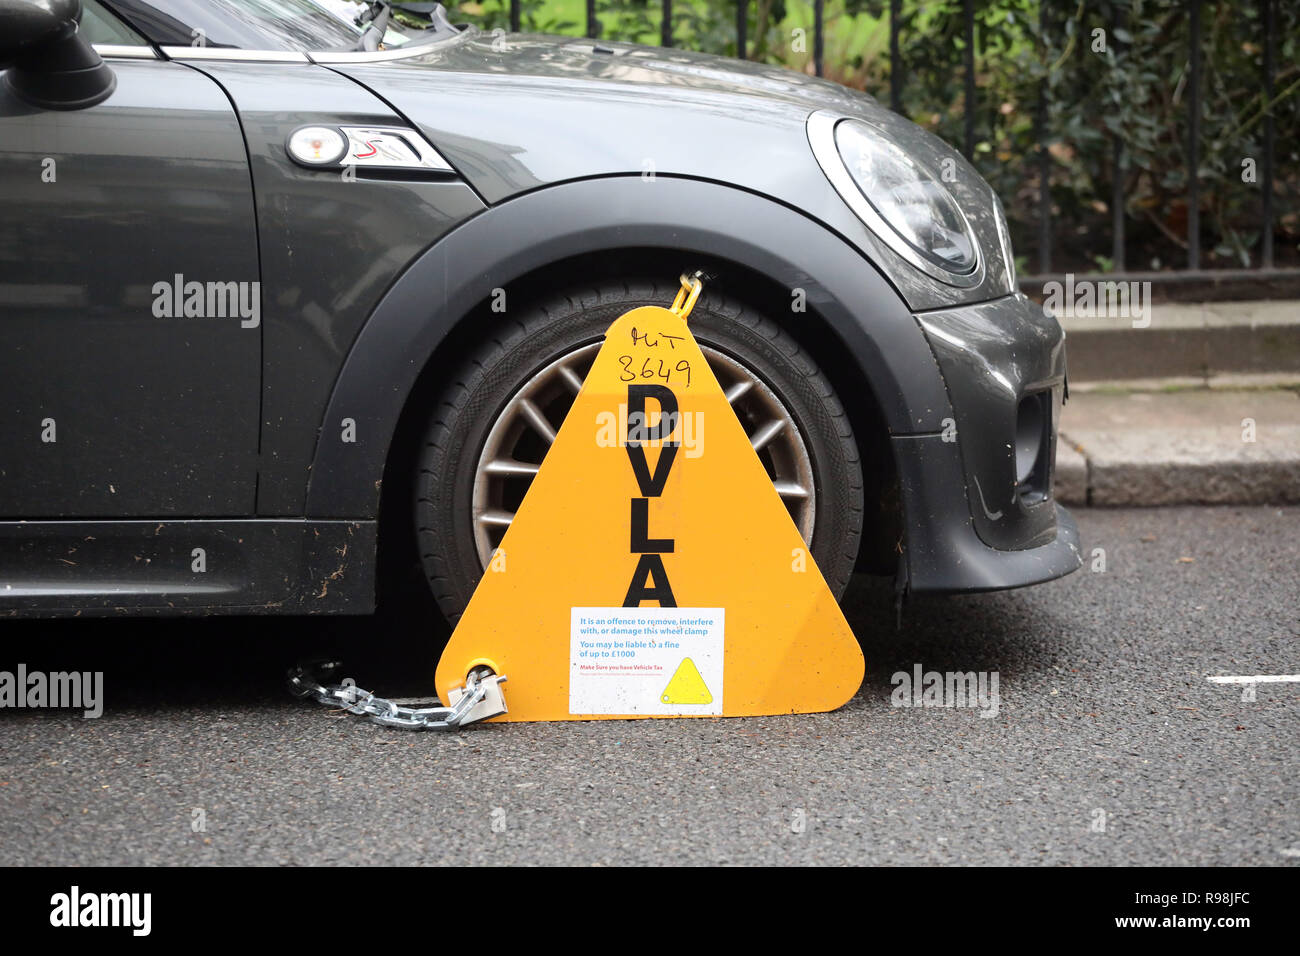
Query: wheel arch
point(855, 326)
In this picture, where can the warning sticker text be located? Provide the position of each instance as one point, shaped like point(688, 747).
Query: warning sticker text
point(647, 661)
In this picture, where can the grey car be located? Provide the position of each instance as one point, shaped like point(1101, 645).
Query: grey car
point(287, 292)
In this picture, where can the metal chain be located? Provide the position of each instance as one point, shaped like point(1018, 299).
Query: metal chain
point(479, 685)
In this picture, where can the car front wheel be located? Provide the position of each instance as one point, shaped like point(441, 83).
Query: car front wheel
point(490, 431)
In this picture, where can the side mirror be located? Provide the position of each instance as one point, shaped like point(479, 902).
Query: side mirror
point(49, 63)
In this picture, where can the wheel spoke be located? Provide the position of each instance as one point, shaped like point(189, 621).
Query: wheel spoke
point(739, 389)
point(571, 378)
point(537, 420)
point(508, 466)
point(499, 519)
point(790, 489)
point(763, 437)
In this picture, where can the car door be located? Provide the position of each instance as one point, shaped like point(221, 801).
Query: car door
point(130, 300)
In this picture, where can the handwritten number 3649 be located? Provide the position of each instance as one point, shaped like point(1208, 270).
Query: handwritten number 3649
point(660, 370)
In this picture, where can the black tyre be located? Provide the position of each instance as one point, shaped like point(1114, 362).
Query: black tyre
point(491, 427)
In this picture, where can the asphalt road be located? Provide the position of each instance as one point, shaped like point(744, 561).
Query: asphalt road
point(1109, 745)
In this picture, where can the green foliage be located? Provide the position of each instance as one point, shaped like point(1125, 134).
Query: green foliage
point(1119, 69)
point(535, 16)
point(1128, 83)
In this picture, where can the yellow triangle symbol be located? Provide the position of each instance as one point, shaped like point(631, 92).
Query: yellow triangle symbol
point(616, 519)
point(686, 686)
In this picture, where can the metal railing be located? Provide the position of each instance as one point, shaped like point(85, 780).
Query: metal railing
point(1193, 269)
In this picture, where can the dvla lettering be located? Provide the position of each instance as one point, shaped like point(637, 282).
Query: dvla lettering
point(75, 908)
point(650, 577)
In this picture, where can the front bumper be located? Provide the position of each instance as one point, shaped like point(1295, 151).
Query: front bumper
point(1008, 531)
point(943, 553)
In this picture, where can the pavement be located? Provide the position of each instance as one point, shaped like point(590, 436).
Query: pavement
point(1198, 340)
point(1177, 402)
point(1109, 745)
point(1168, 442)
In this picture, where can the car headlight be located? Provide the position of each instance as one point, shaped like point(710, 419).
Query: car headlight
point(900, 200)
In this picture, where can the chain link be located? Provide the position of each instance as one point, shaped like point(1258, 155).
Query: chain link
point(304, 682)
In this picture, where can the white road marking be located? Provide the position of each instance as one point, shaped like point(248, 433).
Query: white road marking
point(1258, 679)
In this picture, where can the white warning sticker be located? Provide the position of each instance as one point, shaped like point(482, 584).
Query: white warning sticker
point(658, 661)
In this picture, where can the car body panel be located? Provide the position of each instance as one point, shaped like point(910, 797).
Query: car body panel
point(992, 355)
point(152, 415)
point(331, 245)
point(186, 567)
point(533, 111)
